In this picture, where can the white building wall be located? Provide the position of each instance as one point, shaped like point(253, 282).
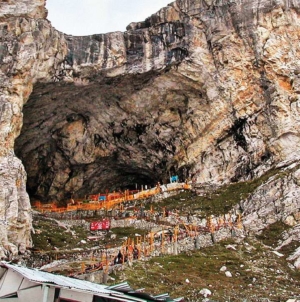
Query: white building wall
point(26, 283)
point(75, 296)
point(34, 294)
point(51, 294)
point(11, 283)
point(2, 280)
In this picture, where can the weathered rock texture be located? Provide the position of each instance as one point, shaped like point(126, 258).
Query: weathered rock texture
point(30, 50)
point(205, 89)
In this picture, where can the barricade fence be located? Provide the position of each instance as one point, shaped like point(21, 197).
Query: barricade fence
point(164, 241)
point(108, 201)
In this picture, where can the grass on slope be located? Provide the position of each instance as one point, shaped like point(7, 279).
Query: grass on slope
point(257, 273)
point(217, 202)
point(49, 235)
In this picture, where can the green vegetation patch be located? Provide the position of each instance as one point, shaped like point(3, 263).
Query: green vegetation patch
point(49, 235)
point(120, 236)
point(128, 232)
point(256, 274)
point(273, 233)
point(290, 248)
point(217, 202)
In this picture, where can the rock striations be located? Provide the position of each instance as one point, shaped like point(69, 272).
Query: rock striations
point(206, 89)
point(30, 51)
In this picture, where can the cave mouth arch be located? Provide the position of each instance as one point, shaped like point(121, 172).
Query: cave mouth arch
point(82, 140)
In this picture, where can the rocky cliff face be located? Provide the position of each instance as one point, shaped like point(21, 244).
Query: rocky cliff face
point(30, 50)
point(208, 90)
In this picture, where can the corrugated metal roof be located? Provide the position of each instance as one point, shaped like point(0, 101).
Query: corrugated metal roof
point(86, 286)
point(162, 296)
point(121, 287)
point(61, 281)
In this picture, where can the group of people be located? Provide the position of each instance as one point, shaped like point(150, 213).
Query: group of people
point(131, 251)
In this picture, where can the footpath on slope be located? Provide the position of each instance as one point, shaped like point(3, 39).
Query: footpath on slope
point(166, 233)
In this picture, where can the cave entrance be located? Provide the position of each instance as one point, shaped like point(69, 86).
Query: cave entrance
point(69, 150)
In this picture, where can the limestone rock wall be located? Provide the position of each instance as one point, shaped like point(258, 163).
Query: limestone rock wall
point(205, 89)
point(241, 56)
point(251, 88)
point(275, 200)
point(29, 51)
point(220, 77)
point(160, 41)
